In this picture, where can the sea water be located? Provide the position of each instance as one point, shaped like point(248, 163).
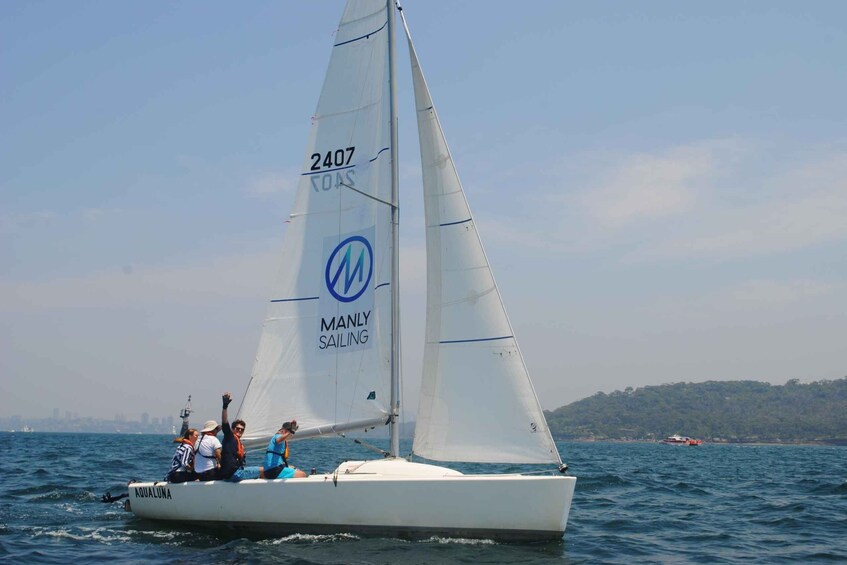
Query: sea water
point(634, 503)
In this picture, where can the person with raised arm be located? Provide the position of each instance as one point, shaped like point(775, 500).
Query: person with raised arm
point(233, 456)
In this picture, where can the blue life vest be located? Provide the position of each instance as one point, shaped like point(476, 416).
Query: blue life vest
point(277, 453)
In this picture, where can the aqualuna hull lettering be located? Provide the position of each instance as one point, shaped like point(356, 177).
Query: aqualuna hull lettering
point(153, 492)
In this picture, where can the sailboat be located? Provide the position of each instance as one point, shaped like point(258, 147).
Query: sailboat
point(329, 353)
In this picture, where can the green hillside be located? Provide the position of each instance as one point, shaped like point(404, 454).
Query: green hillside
point(732, 411)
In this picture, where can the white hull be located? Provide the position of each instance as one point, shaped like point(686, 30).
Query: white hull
point(390, 497)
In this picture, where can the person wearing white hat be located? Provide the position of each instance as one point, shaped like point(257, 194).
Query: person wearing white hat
point(208, 452)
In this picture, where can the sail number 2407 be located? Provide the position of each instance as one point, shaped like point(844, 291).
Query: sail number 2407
point(331, 159)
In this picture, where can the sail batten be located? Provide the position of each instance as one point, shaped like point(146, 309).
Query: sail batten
point(456, 223)
point(476, 339)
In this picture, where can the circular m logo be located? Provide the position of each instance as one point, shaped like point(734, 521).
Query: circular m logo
point(349, 268)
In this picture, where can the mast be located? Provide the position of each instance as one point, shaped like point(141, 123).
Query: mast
point(394, 426)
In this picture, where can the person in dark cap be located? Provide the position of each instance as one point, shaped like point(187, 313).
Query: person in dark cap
point(276, 457)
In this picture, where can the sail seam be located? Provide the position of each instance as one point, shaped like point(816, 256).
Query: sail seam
point(324, 171)
point(455, 223)
point(366, 36)
point(295, 299)
point(379, 153)
point(477, 339)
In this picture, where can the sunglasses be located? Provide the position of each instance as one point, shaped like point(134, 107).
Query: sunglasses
point(238, 429)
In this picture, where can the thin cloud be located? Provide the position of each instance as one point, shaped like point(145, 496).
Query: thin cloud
point(646, 186)
point(273, 183)
point(802, 205)
point(714, 200)
point(213, 277)
point(754, 300)
point(774, 292)
point(235, 275)
point(12, 223)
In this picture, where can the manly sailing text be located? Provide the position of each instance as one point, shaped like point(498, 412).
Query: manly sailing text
point(344, 331)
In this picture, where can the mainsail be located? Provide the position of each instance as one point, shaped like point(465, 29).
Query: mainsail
point(477, 402)
point(324, 353)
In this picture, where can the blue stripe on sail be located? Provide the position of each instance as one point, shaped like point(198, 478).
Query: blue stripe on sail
point(362, 37)
point(480, 339)
point(455, 223)
point(322, 171)
point(379, 153)
point(316, 297)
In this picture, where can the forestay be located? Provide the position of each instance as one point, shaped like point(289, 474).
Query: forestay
point(477, 402)
point(323, 356)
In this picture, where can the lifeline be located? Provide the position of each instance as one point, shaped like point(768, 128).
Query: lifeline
point(153, 492)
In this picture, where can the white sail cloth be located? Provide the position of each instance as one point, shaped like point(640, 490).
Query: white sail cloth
point(477, 402)
point(325, 352)
point(323, 356)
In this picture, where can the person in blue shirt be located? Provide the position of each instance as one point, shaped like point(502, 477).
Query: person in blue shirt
point(276, 457)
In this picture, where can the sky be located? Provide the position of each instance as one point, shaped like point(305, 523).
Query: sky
point(661, 189)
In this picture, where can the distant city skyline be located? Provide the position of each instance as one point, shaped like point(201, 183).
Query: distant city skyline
point(121, 423)
point(62, 414)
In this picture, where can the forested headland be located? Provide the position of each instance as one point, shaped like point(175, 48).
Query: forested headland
point(716, 411)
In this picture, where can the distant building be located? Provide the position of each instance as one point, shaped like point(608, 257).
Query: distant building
point(145, 419)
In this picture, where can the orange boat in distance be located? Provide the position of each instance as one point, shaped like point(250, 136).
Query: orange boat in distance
point(682, 440)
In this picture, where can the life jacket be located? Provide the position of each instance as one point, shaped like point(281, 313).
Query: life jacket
point(240, 451)
point(283, 454)
point(183, 459)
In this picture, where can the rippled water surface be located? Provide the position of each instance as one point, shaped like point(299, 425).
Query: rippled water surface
point(634, 503)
